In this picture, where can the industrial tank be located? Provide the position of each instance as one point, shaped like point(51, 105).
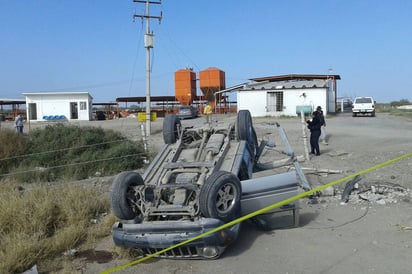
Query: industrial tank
point(185, 86)
point(212, 80)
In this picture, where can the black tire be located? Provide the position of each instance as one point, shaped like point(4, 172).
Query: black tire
point(220, 196)
point(122, 195)
point(353, 114)
point(171, 127)
point(245, 130)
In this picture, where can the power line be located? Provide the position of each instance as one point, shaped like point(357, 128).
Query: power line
point(135, 62)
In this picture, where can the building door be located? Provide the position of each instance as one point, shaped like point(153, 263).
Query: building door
point(274, 101)
point(32, 111)
point(74, 111)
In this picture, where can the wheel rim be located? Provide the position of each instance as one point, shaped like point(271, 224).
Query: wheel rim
point(226, 198)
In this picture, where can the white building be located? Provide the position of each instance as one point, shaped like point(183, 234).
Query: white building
point(287, 94)
point(44, 106)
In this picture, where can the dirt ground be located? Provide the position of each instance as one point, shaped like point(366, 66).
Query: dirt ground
point(372, 233)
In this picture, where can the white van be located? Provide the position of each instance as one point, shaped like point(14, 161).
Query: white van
point(363, 105)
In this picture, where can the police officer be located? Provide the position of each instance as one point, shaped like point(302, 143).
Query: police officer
point(314, 126)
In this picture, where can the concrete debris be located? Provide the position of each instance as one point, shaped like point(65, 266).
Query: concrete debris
point(402, 227)
point(32, 270)
point(71, 252)
point(323, 170)
point(98, 218)
point(319, 170)
point(378, 194)
point(330, 191)
point(337, 153)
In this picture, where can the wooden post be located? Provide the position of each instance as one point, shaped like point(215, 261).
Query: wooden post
point(305, 136)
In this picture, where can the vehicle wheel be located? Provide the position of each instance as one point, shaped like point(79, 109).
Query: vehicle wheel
point(171, 127)
point(245, 130)
point(220, 196)
point(353, 114)
point(373, 114)
point(123, 195)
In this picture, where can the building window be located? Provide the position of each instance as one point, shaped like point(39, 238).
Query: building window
point(274, 101)
point(83, 105)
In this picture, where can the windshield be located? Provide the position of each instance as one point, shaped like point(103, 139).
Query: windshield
point(363, 100)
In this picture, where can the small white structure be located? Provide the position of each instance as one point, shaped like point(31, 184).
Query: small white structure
point(45, 106)
point(288, 94)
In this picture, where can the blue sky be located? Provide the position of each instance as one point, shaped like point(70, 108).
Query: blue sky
point(94, 46)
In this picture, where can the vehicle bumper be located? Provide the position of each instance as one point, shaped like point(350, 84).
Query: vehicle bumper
point(155, 236)
point(184, 116)
point(187, 115)
point(363, 110)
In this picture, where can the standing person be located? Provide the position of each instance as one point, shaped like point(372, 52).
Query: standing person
point(207, 111)
point(314, 127)
point(18, 122)
point(322, 137)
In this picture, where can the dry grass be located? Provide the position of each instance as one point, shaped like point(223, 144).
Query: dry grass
point(41, 222)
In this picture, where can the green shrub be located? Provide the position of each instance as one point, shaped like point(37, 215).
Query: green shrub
point(11, 146)
point(71, 152)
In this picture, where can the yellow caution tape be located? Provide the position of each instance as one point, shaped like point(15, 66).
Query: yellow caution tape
point(263, 210)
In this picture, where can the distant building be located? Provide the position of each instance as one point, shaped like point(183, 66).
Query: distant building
point(43, 106)
point(287, 94)
point(10, 108)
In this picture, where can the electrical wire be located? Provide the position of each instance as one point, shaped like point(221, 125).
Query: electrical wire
point(59, 150)
point(173, 43)
point(342, 224)
point(88, 86)
point(135, 60)
point(72, 164)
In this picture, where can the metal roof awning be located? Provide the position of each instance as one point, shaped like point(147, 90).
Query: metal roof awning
point(4, 101)
point(142, 99)
point(290, 77)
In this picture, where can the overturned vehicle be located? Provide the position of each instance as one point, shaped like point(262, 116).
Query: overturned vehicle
point(201, 179)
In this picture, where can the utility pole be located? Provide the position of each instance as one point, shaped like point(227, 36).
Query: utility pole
point(148, 44)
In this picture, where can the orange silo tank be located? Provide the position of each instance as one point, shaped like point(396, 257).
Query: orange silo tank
point(185, 86)
point(211, 80)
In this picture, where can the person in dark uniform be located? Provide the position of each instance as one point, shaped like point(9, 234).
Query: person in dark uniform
point(314, 126)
